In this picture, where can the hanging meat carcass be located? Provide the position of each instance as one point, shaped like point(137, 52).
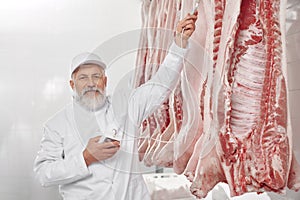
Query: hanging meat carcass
point(227, 120)
point(163, 131)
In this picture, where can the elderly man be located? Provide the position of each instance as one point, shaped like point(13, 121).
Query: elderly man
point(89, 148)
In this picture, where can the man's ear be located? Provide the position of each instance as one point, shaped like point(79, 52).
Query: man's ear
point(105, 81)
point(72, 84)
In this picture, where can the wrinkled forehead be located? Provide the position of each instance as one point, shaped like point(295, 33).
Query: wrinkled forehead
point(88, 69)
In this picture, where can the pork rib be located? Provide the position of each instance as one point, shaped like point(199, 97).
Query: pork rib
point(254, 146)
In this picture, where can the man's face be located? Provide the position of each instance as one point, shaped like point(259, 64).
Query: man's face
point(89, 83)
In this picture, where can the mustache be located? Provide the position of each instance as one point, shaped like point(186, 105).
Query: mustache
point(91, 89)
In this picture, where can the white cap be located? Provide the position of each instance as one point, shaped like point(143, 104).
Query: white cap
point(86, 58)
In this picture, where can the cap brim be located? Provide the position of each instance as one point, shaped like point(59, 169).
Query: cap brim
point(95, 62)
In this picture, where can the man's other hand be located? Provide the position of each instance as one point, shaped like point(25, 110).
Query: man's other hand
point(95, 152)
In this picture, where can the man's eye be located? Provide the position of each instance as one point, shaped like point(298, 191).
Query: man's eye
point(82, 78)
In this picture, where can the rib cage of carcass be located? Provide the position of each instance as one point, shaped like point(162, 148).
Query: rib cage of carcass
point(227, 120)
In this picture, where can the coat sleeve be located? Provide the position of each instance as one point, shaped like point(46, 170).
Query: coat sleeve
point(52, 167)
point(148, 97)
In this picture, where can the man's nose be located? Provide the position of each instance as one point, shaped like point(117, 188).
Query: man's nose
point(91, 82)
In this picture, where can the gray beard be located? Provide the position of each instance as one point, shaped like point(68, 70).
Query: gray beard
point(94, 103)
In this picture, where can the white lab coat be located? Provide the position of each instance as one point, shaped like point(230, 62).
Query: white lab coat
point(60, 160)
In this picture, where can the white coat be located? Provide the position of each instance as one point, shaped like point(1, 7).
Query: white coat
point(60, 160)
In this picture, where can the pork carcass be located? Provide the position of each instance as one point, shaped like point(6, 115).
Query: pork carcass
point(227, 120)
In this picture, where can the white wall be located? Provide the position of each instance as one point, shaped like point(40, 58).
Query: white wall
point(38, 39)
point(293, 60)
point(293, 64)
